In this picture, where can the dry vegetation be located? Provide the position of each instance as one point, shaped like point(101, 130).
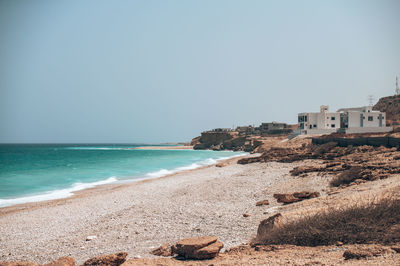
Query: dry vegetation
point(347, 164)
point(375, 222)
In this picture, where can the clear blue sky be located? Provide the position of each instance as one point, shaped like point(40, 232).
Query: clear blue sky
point(157, 71)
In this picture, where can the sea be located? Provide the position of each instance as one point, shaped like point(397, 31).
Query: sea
point(37, 172)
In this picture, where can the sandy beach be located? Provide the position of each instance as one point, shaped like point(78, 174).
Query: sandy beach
point(163, 148)
point(140, 216)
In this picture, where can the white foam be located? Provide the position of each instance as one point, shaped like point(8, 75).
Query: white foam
point(68, 192)
point(96, 148)
point(160, 173)
point(55, 194)
point(209, 161)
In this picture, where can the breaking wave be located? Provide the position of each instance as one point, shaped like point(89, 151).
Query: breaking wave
point(56, 194)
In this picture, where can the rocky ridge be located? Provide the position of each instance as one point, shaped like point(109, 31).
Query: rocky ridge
point(391, 106)
point(349, 164)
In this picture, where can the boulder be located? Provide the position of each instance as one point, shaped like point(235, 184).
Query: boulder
point(306, 195)
point(262, 202)
point(295, 197)
point(269, 224)
point(246, 215)
point(208, 252)
point(286, 198)
point(197, 248)
point(221, 164)
point(63, 261)
point(164, 250)
point(111, 260)
point(18, 263)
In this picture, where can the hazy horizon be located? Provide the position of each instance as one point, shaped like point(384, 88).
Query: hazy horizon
point(164, 71)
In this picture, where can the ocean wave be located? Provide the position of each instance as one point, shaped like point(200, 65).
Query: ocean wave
point(67, 192)
point(96, 148)
point(206, 162)
point(56, 194)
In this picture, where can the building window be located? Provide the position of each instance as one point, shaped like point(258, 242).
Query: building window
point(310, 126)
point(333, 125)
point(305, 119)
point(315, 125)
point(332, 118)
point(370, 118)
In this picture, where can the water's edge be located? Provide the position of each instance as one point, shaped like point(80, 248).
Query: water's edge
point(68, 192)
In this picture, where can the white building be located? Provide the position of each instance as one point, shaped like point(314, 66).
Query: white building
point(346, 120)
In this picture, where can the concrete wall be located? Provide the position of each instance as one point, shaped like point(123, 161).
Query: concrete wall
point(368, 130)
point(318, 131)
point(372, 141)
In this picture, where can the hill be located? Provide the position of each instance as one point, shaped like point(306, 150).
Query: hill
point(391, 106)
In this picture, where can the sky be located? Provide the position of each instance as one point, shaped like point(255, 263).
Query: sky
point(164, 71)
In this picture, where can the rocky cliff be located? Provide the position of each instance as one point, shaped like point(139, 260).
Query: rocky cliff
point(391, 106)
point(225, 141)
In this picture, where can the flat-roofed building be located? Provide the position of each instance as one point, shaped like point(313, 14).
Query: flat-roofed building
point(346, 120)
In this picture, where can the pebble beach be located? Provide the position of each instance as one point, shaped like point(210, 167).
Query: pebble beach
point(140, 216)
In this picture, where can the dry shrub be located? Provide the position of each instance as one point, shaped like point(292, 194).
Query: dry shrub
point(347, 176)
point(375, 222)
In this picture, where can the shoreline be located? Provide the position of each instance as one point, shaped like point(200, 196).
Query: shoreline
point(139, 216)
point(163, 148)
point(110, 186)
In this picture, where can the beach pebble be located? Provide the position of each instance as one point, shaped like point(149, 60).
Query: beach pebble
point(89, 238)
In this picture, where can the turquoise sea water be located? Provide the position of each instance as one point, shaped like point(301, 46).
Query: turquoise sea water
point(40, 172)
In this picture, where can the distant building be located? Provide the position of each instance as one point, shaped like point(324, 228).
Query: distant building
point(220, 130)
point(273, 128)
point(346, 120)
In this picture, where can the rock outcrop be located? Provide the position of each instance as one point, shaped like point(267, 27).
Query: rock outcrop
point(225, 140)
point(200, 248)
point(295, 197)
point(348, 164)
point(269, 224)
point(391, 106)
point(262, 203)
point(63, 261)
point(164, 250)
point(18, 263)
point(110, 260)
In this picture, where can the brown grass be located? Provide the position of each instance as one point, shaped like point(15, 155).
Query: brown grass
point(346, 177)
point(376, 222)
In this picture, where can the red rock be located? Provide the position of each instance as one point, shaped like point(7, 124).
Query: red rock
point(246, 215)
point(286, 198)
point(112, 260)
point(262, 202)
point(208, 252)
point(306, 195)
point(63, 261)
point(18, 263)
point(164, 250)
point(188, 247)
point(269, 224)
